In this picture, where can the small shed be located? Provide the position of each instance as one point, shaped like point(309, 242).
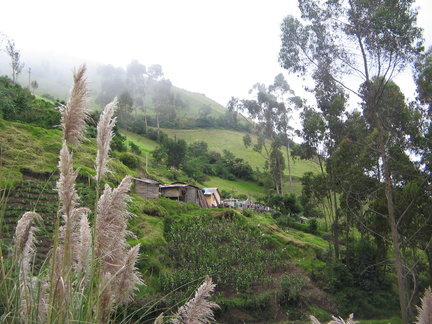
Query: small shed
point(212, 196)
point(231, 203)
point(184, 192)
point(247, 204)
point(146, 188)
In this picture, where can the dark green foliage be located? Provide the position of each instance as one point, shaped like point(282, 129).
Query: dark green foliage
point(134, 148)
point(197, 149)
point(361, 285)
point(235, 255)
point(129, 159)
point(313, 225)
point(18, 104)
point(137, 125)
point(118, 142)
point(286, 204)
point(424, 78)
point(291, 288)
point(153, 135)
point(194, 168)
point(173, 151)
point(197, 162)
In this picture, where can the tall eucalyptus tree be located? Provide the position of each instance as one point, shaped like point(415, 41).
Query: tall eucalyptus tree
point(262, 112)
point(359, 45)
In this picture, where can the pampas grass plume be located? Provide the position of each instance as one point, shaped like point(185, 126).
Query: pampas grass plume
point(24, 234)
point(111, 224)
point(425, 311)
point(68, 197)
point(104, 136)
point(75, 112)
point(336, 320)
point(24, 250)
point(198, 309)
point(129, 277)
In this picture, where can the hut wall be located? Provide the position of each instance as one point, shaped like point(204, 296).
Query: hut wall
point(171, 192)
point(147, 190)
point(192, 196)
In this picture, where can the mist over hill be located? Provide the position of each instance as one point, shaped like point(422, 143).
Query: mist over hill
point(52, 71)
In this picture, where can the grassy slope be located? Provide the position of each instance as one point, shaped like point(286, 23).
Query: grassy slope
point(218, 140)
point(196, 101)
point(232, 141)
point(36, 149)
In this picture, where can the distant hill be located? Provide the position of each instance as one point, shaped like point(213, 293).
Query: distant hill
point(53, 73)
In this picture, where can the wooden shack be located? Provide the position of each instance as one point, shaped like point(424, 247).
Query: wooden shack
point(213, 197)
point(146, 188)
point(230, 203)
point(184, 192)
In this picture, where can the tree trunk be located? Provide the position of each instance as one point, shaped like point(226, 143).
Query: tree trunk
point(157, 124)
point(289, 162)
point(428, 252)
point(336, 226)
point(145, 121)
point(403, 300)
point(281, 179)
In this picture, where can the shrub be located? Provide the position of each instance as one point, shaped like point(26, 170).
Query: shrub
point(291, 288)
point(129, 159)
point(277, 215)
point(313, 225)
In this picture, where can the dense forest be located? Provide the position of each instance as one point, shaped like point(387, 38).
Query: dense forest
point(351, 236)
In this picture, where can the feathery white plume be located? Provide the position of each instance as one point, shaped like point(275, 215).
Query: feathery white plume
point(104, 136)
point(198, 309)
point(75, 112)
point(425, 311)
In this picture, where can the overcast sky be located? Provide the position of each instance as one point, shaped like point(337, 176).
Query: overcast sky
point(219, 48)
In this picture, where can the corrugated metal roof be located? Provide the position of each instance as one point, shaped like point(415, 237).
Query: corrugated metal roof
point(149, 181)
point(209, 191)
point(179, 185)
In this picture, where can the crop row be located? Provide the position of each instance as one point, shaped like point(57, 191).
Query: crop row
point(234, 255)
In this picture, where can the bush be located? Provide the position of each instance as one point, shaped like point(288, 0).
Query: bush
point(313, 225)
point(134, 148)
point(291, 288)
point(277, 215)
point(129, 159)
point(118, 142)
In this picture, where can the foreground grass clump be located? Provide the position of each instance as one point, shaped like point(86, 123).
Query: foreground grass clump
point(91, 269)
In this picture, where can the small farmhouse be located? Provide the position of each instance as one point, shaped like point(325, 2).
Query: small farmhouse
point(146, 188)
point(184, 192)
point(247, 204)
point(213, 197)
point(231, 203)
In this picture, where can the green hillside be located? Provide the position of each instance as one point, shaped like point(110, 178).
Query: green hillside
point(267, 255)
point(219, 140)
point(197, 100)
